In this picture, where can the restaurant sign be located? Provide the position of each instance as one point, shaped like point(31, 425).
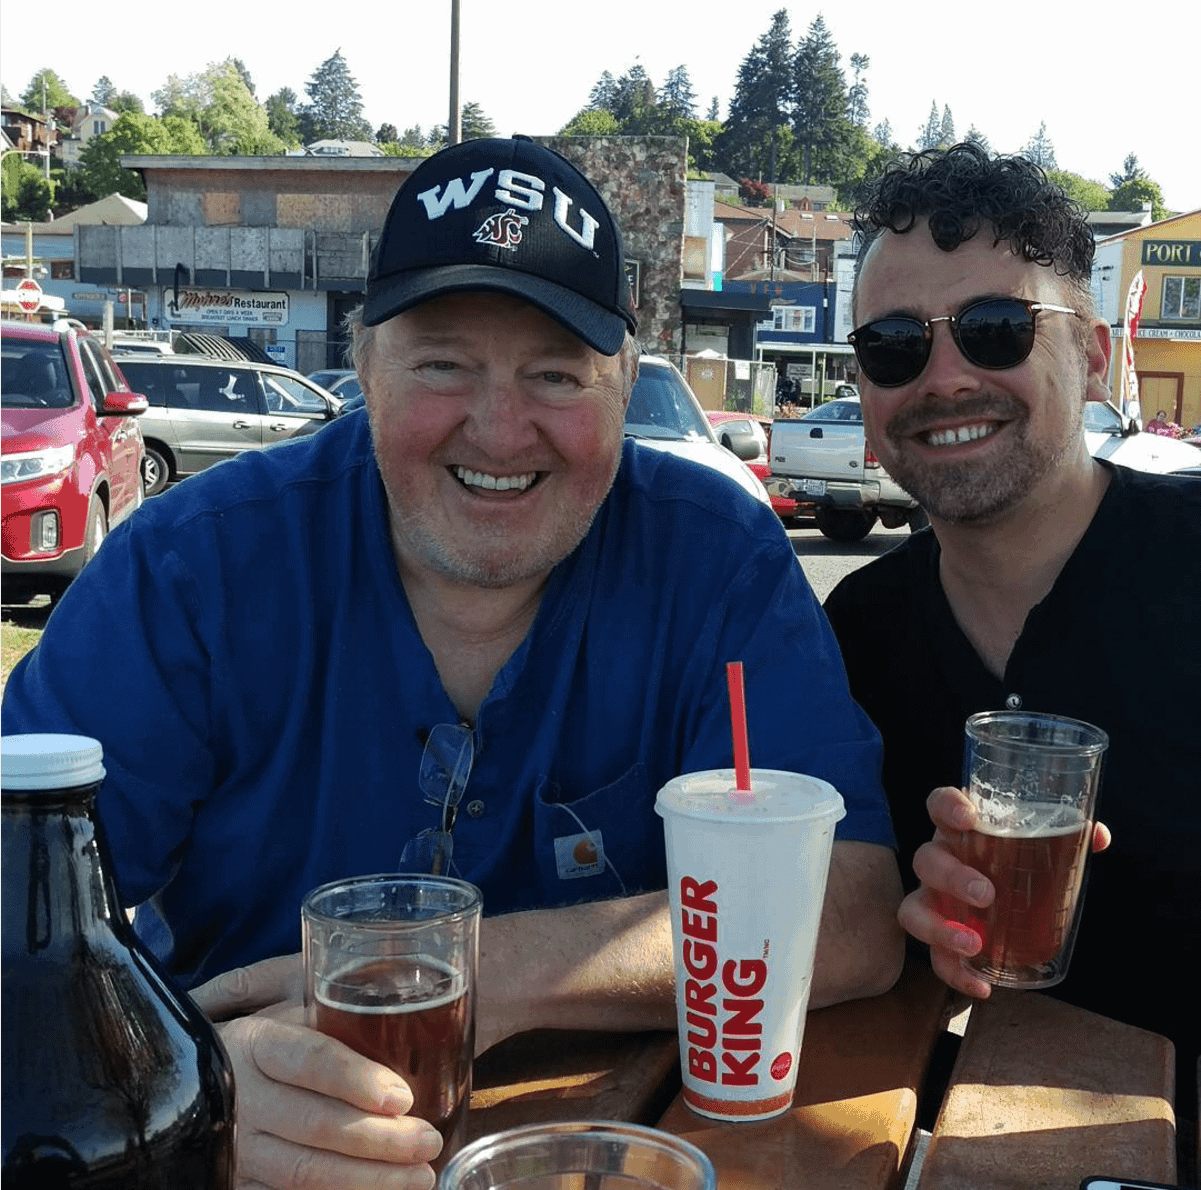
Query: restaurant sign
point(1173, 253)
point(225, 307)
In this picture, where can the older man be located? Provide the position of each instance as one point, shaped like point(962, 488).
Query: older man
point(1048, 581)
point(269, 649)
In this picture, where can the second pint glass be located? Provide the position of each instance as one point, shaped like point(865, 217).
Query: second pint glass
point(390, 970)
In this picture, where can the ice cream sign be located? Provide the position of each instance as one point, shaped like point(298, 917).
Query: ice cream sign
point(225, 307)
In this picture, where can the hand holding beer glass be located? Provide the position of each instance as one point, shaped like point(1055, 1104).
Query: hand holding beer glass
point(390, 970)
point(1032, 780)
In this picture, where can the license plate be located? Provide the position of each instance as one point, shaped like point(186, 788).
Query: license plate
point(813, 487)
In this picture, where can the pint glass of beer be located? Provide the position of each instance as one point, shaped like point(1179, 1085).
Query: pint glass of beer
point(390, 970)
point(1033, 781)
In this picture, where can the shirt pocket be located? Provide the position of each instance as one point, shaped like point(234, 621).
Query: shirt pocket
point(608, 843)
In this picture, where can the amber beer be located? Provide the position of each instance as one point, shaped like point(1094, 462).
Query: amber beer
point(1036, 871)
point(409, 1014)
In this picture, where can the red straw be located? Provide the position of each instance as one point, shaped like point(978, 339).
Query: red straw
point(742, 756)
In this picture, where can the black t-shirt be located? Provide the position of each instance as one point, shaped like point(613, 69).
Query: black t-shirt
point(1117, 643)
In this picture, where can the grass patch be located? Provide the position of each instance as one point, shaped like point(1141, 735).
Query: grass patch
point(15, 642)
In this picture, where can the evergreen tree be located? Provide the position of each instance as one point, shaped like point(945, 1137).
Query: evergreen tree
point(946, 131)
point(413, 137)
point(1131, 194)
point(676, 99)
point(282, 117)
point(474, 125)
point(336, 111)
point(712, 114)
point(634, 102)
point(104, 92)
point(1131, 172)
point(819, 118)
point(386, 134)
point(244, 74)
point(857, 109)
point(929, 136)
point(751, 144)
point(603, 96)
point(974, 136)
point(1040, 150)
point(882, 135)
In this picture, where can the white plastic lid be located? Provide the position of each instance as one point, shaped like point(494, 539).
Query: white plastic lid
point(49, 761)
point(775, 796)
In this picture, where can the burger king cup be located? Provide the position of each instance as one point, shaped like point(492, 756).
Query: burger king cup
point(746, 872)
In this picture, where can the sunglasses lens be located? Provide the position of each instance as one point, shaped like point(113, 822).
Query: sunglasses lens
point(996, 334)
point(892, 351)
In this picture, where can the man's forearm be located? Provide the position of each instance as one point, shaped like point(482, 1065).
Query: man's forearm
point(601, 965)
point(860, 946)
point(608, 964)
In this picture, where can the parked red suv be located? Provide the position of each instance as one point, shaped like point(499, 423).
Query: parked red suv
point(72, 454)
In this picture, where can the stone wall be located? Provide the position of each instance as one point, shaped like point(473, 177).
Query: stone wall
point(642, 179)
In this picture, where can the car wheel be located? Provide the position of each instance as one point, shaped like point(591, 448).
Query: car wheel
point(155, 471)
point(844, 524)
point(97, 530)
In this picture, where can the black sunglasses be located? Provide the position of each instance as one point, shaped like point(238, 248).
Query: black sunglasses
point(992, 333)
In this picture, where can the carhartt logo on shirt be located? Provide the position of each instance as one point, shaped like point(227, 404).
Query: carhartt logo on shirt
point(580, 855)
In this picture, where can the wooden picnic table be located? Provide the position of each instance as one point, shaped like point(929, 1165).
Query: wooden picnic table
point(1041, 1094)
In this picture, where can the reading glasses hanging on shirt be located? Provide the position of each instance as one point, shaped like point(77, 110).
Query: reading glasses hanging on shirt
point(442, 778)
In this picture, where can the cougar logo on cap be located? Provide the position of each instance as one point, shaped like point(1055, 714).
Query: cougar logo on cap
point(503, 230)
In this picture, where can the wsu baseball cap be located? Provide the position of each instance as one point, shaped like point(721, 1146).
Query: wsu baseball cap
point(511, 216)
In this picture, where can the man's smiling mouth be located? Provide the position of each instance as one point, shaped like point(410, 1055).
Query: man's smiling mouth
point(959, 434)
point(495, 483)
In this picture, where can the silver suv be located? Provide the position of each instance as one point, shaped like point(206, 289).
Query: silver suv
point(205, 410)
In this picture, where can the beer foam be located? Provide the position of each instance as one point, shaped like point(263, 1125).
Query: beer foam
point(390, 986)
point(1051, 823)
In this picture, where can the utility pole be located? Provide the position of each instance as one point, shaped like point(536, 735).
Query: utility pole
point(454, 126)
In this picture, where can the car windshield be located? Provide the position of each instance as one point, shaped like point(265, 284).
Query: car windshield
point(33, 375)
point(660, 407)
point(844, 410)
point(1101, 419)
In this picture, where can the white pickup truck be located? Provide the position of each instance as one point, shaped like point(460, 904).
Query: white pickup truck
point(823, 461)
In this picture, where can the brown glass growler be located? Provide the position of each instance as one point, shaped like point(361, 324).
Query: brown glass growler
point(112, 1077)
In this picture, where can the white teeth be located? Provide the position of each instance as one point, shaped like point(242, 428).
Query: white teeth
point(962, 434)
point(498, 483)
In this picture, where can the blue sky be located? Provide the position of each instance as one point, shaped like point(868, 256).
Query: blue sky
point(531, 65)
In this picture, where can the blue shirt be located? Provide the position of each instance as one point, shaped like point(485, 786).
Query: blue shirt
point(244, 650)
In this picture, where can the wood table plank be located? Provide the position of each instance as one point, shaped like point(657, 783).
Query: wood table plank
point(550, 1074)
point(1044, 1094)
point(861, 1067)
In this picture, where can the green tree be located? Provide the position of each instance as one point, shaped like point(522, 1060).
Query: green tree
point(282, 116)
point(1092, 196)
point(603, 96)
point(244, 74)
point(386, 134)
point(233, 123)
point(752, 142)
point(126, 101)
point(819, 117)
point(27, 195)
point(974, 136)
point(634, 102)
point(1040, 150)
point(676, 99)
point(413, 136)
point(104, 91)
point(1131, 195)
point(857, 109)
point(931, 135)
point(712, 115)
point(882, 135)
point(1131, 172)
point(947, 127)
point(336, 110)
point(134, 133)
point(45, 92)
point(591, 122)
point(474, 122)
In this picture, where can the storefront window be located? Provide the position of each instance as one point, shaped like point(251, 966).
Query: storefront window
point(1181, 298)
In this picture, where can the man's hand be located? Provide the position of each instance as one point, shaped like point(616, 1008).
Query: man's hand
point(311, 1112)
point(943, 877)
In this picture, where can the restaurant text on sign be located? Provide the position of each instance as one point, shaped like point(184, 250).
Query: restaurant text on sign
point(739, 1043)
point(225, 307)
point(1178, 253)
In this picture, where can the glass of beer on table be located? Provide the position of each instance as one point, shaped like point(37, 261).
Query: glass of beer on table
point(1032, 780)
point(390, 970)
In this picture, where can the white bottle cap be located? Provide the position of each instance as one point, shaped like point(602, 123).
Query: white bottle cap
point(49, 761)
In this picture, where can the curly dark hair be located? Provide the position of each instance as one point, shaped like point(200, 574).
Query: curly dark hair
point(960, 189)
